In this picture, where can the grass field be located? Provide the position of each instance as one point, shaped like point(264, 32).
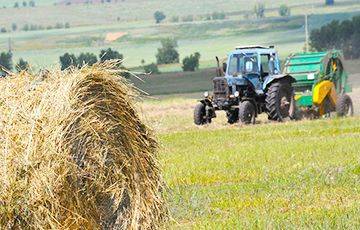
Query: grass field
point(295, 175)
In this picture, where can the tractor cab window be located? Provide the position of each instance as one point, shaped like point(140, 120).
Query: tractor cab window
point(265, 58)
point(243, 64)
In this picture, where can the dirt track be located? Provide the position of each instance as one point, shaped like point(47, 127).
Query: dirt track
point(354, 80)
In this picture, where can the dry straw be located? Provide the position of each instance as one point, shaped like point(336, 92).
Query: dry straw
point(74, 154)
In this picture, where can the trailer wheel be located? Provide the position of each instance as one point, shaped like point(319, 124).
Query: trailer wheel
point(200, 115)
point(344, 106)
point(232, 116)
point(247, 113)
point(280, 103)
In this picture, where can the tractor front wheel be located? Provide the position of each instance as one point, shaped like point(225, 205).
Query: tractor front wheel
point(344, 106)
point(232, 116)
point(247, 113)
point(200, 117)
point(280, 103)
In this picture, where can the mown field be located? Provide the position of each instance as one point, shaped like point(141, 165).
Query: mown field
point(293, 175)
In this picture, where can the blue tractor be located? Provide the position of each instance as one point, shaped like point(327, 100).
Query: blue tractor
point(249, 83)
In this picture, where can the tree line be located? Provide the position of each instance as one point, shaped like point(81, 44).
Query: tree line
point(70, 60)
point(343, 35)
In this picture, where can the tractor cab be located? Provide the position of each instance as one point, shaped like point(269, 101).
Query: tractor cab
point(252, 60)
point(251, 65)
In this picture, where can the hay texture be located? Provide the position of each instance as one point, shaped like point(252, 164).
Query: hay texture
point(74, 154)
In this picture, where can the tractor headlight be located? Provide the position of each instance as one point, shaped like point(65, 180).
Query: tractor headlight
point(237, 94)
point(206, 94)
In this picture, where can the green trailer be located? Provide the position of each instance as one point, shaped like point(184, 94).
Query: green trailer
point(321, 85)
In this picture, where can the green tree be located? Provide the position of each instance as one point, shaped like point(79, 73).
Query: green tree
point(32, 3)
point(284, 10)
point(6, 60)
point(110, 54)
point(24, 4)
point(14, 27)
point(343, 35)
point(159, 16)
point(167, 53)
point(151, 68)
point(26, 27)
point(86, 59)
point(67, 60)
point(16, 5)
point(191, 63)
point(259, 10)
point(22, 65)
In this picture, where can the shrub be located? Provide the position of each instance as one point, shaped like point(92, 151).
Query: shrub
point(6, 60)
point(151, 68)
point(67, 60)
point(22, 65)
point(110, 54)
point(191, 63)
point(284, 10)
point(86, 59)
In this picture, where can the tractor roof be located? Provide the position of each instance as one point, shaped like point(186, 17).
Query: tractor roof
point(254, 49)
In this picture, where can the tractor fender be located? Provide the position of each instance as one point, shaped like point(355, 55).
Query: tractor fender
point(206, 102)
point(274, 78)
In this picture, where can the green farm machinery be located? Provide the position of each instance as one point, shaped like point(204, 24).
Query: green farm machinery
point(321, 85)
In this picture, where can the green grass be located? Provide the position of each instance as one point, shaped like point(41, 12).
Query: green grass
point(292, 175)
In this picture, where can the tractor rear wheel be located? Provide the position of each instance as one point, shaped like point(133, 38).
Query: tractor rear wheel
point(280, 103)
point(200, 115)
point(344, 106)
point(247, 113)
point(232, 116)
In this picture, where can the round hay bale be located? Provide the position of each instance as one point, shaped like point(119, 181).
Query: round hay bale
point(75, 154)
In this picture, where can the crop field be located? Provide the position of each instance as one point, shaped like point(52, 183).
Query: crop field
point(292, 175)
point(89, 25)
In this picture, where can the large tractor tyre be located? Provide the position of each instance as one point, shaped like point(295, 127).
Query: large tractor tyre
point(200, 115)
point(280, 103)
point(232, 116)
point(344, 106)
point(247, 113)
